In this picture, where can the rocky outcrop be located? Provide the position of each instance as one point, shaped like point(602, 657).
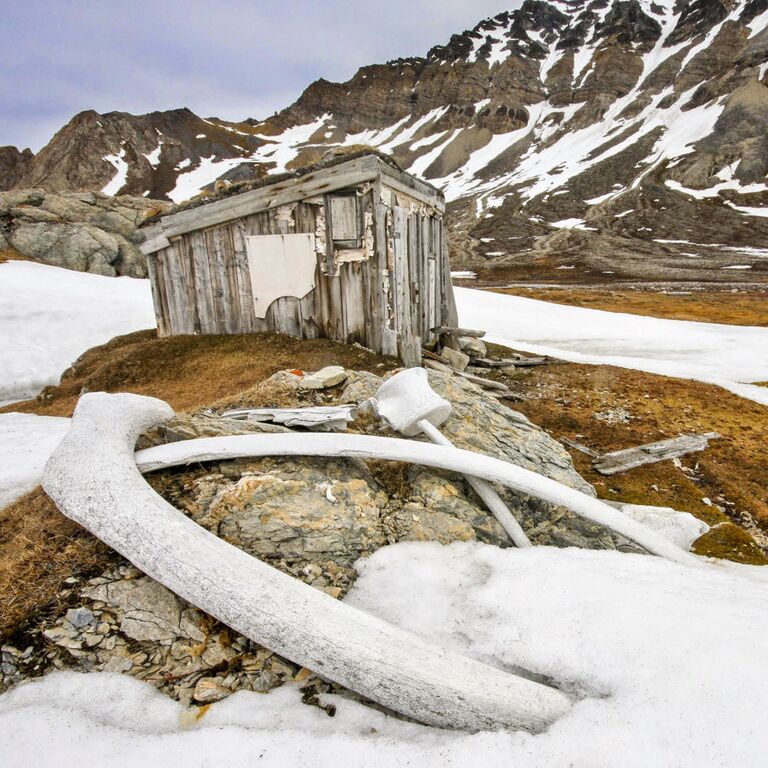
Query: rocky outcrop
point(13, 166)
point(310, 518)
point(86, 231)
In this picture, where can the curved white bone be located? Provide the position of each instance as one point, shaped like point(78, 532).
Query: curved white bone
point(93, 478)
point(430, 455)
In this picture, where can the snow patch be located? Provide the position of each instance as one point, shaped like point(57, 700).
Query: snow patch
point(729, 356)
point(658, 653)
point(154, 156)
point(117, 182)
point(427, 141)
point(26, 443)
point(499, 53)
point(191, 183)
point(421, 164)
point(749, 210)
point(553, 56)
point(758, 24)
point(730, 184)
point(568, 224)
point(681, 528)
point(49, 316)
point(284, 148)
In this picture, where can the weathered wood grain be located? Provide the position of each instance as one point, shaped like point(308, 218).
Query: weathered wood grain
point(629, 458)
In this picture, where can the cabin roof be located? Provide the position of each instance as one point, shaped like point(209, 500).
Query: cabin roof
point(244, 198)
point(238, 187)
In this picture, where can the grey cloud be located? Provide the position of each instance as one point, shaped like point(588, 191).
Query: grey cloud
point(232, 59)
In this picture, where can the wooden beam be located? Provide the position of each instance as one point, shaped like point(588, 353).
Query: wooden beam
point(629, 458)
point(442, 330)
point(577, 446)
point(410, 185)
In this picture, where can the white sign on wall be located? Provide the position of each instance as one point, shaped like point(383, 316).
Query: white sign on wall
point(280, 265)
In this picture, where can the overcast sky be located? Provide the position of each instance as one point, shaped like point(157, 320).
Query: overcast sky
point(230, 59)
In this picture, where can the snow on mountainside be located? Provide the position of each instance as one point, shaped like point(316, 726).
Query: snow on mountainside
point(616, 137)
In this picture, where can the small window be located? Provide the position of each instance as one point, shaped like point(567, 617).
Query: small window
point(345, 220)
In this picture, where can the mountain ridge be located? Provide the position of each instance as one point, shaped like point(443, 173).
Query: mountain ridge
point(620, 138)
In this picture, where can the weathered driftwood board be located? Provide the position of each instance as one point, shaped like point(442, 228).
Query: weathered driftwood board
point(621, 461)
point(382, 277)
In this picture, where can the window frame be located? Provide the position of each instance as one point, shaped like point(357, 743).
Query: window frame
point(346, 243)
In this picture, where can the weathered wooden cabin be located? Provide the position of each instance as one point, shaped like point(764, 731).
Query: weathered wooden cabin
point(354, 251)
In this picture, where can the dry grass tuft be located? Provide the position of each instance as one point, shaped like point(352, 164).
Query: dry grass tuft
point(730, 542)
point(190, 372)
point(39, 549)
point(265, 394)
point(10, 255)
point(573, 401)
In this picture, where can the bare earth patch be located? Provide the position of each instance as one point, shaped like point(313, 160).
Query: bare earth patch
point(39, 549)
point(607, 409)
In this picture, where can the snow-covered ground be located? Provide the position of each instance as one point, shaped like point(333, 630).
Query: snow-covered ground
point(727, 355)
point(665, 664)
point(49, 316)
point(26, 442)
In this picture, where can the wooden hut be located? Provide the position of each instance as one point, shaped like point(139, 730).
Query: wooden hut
point(354, 250)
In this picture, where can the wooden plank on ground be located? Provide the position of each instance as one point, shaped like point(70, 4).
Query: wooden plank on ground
point(577, 446)
point(629, 458)
point(441, 330)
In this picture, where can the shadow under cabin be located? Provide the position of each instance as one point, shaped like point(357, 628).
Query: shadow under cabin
point(352, 250)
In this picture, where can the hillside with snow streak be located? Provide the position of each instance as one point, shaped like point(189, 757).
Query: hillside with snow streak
point(606, 138)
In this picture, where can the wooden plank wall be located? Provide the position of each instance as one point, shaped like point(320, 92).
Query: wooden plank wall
point(388, 302)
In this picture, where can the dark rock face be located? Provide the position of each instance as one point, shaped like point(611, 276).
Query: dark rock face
point(568, 133)
point(87, 152)
point(13, 165)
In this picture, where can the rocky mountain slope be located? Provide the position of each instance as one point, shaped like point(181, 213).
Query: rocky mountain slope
point(602, 139)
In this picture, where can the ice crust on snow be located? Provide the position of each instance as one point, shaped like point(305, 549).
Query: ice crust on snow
point(663, 658)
